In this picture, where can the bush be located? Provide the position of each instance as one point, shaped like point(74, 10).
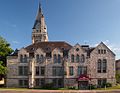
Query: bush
point(47, 86)
point(71, 87)
point(108, 85)
point(92, 86)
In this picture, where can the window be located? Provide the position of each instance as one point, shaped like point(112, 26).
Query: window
point(21, 58)
point(55, 58)
point(102, 82)
point(25, 58)
point(37, 58)
point(48, 54)
point(57, 71)
point(40, 82)
point(37, 82)
point(82, 58)
point(37, 71)
point(79, 70)
point(42, 71)
point(23, 83)
point(59, 58)
point(23, 70)
point(99, 66)
point(20, 70)
point(104, 51)
point(57, 83)
point(71, 71)
point(101, 51)
point(77, 58)
point(82, 70)
point(72, 58)
point(104, 65)
point(42, 58)
point(77, 49)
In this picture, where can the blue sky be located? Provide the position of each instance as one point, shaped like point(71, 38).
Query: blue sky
point(73, 21)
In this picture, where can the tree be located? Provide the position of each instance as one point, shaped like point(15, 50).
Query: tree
point(117, 77)
point(5, 50)
point(3, 70)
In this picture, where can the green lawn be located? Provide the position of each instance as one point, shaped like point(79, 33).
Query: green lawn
point(14, 89)
point(109, 88)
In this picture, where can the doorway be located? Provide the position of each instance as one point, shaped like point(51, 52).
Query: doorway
point(83, 85)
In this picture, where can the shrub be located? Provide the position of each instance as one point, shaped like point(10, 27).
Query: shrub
point(91, 86)
point(71, 87)
point(47, 86)
point(108, 85)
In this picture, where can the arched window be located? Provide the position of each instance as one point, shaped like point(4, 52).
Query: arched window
point(72, 58)
point(82, 58)
point(37, 58)
point(77, 58)
point(42, 58)
point(59, 58)
point(25, 58)
point(99, 67)
point(21, 58)
point(55, 58)
point(104, 66)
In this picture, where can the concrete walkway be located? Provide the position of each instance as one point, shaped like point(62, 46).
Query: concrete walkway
point(57, 91)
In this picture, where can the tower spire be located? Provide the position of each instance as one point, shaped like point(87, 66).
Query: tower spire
point(39, 29)
point(39, 6)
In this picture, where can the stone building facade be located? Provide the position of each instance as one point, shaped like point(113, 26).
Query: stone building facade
point(59, 63)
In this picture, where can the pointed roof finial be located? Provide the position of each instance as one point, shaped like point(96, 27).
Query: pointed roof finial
point(39, 5)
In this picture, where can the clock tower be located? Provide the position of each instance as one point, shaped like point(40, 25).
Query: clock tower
point(39, 33)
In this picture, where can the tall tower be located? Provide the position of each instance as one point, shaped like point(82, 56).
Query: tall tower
point(39, 33)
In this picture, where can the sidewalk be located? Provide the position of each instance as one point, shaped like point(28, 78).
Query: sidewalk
point(57, 91)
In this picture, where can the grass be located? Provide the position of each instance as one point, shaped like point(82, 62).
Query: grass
point(13, 88)
point(109, 88)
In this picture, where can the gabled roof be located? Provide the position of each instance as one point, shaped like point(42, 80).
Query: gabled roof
point(15, 53)
point(106, 47)
point(48, 46)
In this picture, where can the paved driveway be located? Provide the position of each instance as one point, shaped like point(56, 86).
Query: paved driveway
point(58, 91)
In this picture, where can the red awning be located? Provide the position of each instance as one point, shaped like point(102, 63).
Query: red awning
point(83, 77)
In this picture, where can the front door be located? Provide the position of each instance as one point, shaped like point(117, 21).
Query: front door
point(83, 85)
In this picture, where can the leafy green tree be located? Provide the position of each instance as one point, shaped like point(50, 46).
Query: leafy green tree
point(3, 69)
point(5, 50)
point(117, 77)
